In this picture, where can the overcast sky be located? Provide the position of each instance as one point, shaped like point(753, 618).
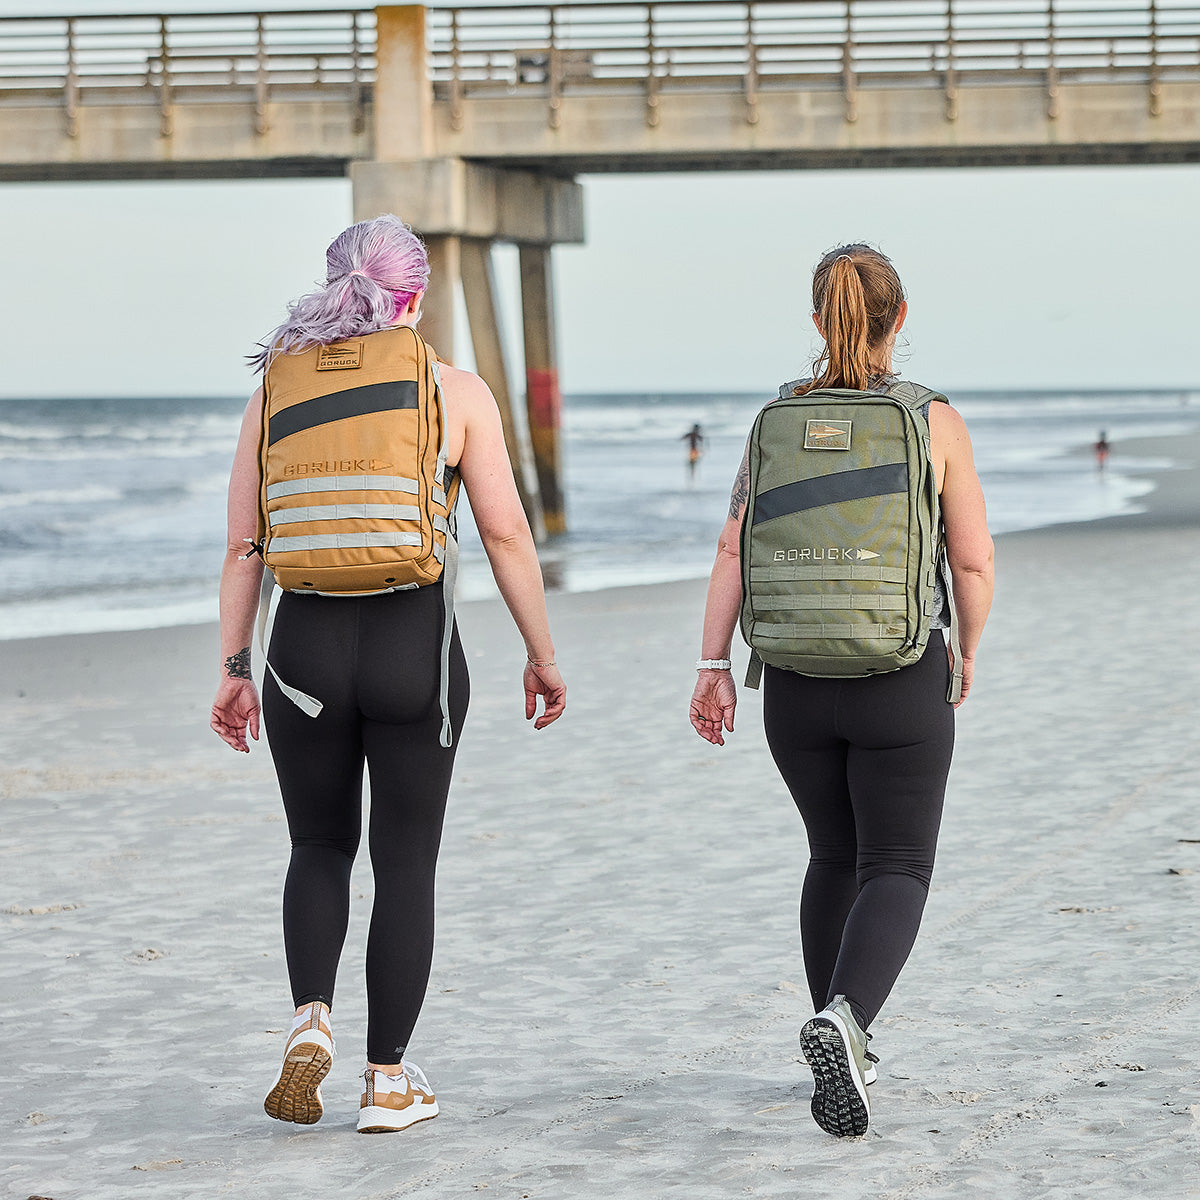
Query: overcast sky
point(1065, 277)
point(1048, 277)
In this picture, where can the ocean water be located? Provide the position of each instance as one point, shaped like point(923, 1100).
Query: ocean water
point(112, 512)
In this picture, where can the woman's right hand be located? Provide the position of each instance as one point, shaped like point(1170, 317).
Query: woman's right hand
point(713, 703)
point(544, 681)
point(235, 712)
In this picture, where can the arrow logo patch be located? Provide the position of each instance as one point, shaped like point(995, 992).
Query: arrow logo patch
point(827, 435)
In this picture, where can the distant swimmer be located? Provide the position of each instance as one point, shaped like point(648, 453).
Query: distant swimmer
point(695, 448)
point(344, 484)
point(864, 755)
point(1102, 450)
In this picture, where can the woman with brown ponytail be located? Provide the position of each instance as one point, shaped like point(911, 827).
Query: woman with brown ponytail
point(865, 759)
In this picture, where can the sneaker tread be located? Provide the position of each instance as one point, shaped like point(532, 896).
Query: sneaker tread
point(837, 1106)
point(294, 1097)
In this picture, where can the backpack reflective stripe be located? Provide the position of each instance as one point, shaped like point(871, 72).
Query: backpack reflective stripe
point(350, 483)
point(345, 512)
point(341, 541)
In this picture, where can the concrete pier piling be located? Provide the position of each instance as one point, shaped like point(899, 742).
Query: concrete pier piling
point(437, 309)
point(543, 399)
point(483, 314)
point(461, 209)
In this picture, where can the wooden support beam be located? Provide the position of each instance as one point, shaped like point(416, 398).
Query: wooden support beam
point(543, 400)
point(483, 313)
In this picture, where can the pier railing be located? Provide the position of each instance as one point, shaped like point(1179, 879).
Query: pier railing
point(550, 51)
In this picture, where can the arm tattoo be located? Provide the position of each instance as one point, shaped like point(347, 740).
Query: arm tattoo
point(741, 487)
point(237, 666)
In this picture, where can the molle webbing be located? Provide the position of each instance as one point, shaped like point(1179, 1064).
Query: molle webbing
point(857, 600)
point(786, 632)
point(789, 571)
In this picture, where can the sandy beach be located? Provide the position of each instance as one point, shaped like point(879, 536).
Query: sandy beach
point(617, 986)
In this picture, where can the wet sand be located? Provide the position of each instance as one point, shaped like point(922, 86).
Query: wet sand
point(618, 986)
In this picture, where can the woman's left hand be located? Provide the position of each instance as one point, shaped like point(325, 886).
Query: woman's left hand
point(713, 705)
point(234, 711)
point(547, 683)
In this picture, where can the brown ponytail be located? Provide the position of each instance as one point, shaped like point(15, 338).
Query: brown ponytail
point(856, 296)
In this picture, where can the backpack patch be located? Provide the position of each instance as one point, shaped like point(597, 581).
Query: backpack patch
point(827, 435)
point(341, 356)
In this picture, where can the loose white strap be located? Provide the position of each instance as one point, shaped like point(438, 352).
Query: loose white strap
point(954, 691)
point(268, 603)
point(439, 473)
point(449, 575)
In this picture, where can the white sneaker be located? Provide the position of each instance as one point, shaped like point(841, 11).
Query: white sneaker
point(296, 1093)
point(836, 1049)
point(393, 1102)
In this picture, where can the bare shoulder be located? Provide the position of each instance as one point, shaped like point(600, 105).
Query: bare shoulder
point(946, 420)
point(948, 430)
point(255, 403)
point(465, 389)
point(252, 417)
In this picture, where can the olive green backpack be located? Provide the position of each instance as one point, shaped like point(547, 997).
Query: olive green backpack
point(841, 538)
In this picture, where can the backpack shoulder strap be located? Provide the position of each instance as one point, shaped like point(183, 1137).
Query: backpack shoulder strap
point(791, 388)
point(914, 395)
point(447, 478)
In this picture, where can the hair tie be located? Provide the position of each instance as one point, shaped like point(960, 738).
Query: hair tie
point(362, 273)
point(847, 257)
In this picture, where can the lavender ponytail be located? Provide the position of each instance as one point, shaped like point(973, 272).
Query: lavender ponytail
point(373, 270)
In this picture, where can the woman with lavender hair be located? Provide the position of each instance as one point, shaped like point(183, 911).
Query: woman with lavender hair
point(375, 661)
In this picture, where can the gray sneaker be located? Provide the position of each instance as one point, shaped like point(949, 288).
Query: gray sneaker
point(836, 1050)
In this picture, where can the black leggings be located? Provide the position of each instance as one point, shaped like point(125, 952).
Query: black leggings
point(373, 661)
point(866, 762)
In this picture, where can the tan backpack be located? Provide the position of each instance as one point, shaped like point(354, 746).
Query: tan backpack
point(355, 497)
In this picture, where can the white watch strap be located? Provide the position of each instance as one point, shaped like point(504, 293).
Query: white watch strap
point(713, 664)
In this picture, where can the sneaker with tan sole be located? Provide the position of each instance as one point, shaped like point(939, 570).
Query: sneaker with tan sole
point(296, 1094)
point(393, 1102)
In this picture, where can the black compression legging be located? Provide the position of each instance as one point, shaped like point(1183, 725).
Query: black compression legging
point(373, 661)
point(866, 762)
